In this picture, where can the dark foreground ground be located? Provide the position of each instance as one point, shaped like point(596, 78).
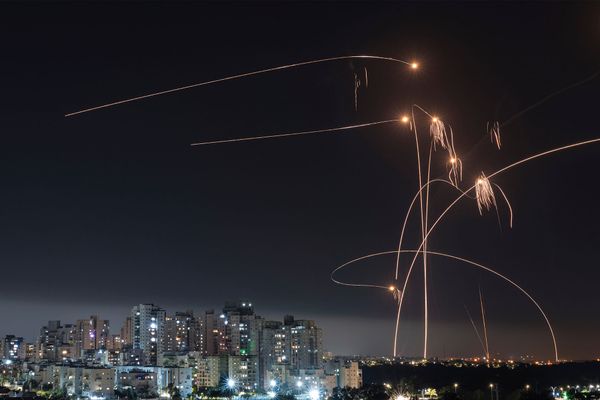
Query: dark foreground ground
point(508, 379)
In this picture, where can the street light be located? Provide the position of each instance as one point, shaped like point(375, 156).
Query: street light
point(230, 383)
point(455, 387)
point(314, 394)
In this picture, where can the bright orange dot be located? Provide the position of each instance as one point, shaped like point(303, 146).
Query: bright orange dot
point(435, 119)
point(414, 65)
point(392, 288)
point(452, 160)
point(404, 119)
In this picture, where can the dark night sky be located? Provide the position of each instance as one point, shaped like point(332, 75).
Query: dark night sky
point(113, 208)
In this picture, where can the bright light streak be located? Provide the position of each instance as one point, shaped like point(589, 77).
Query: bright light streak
point(473, 263)
point(300, 133)
point(239, 76)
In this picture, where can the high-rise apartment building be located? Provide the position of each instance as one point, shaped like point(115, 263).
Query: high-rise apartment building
point(183, 333)
point(147, 330)
point(93, 333)
point(12, 348)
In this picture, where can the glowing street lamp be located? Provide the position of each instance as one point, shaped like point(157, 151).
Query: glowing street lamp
point(314, 394)
point(230, 383)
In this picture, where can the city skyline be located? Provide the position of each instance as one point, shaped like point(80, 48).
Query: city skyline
point(103, 210)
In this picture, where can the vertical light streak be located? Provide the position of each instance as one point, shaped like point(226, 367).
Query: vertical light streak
point(476, 331)
point(426, 300)
point(483, 320)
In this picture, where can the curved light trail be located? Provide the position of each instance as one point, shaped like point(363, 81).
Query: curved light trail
point(473, 263)
point(535, 156)
point(239, 76)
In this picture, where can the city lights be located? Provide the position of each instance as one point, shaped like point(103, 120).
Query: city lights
point(314, 394)
point(231, 383)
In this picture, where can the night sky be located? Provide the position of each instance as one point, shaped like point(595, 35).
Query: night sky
point(108, 209)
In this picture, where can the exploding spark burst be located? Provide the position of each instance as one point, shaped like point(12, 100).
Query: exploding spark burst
point(437, 130)
point(484, 193)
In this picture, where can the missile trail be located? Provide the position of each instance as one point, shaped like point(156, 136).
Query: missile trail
point(239, 76)
point(301, 133)
point(472, 263)
point(533, 157)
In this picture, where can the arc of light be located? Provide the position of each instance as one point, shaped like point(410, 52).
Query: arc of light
point(475, 264)
point(300, 133)
point(542, 154)
point(233, 77)
point(412, 203)
point(507, 203)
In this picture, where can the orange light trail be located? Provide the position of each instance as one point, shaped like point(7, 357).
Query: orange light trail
point(301, 133)
point(473, 263)
point(239, 76)
point(535, 156)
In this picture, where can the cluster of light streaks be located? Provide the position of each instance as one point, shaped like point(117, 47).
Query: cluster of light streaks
point(494, 130)
point(484, 194)
point(440, 136)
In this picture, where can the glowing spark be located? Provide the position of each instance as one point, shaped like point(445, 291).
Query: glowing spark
point(494, 131)
point(437, 130)
point(484, 194)
point(455, 170)
point(404, 119)
point(239, 76)
point(414, 65)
